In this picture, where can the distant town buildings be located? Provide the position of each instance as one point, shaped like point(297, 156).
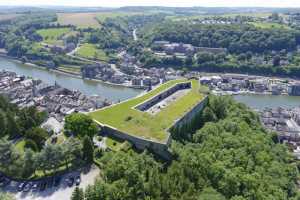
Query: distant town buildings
point(239, 84)
point(286, 123)
point(166, 48)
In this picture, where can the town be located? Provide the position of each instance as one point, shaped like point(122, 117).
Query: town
point(56, 101)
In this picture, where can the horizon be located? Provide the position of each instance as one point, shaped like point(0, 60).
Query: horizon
point(147, 3)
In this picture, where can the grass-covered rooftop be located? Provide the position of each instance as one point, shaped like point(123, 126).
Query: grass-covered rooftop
point(126, 118)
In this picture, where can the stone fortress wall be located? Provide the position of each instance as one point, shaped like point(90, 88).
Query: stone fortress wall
point(159, 148)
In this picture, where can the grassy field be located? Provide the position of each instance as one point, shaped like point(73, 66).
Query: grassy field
point(20, 146)
point(70, 69)
point(112, 144)
point(53, 35)
point(263, 25)
point(81, 20)
point(91, 52)
point(125, 118)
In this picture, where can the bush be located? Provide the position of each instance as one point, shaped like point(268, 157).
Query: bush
point(30, 144)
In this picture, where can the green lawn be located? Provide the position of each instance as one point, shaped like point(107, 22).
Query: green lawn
point(53, 35)
point(264, 25)
point(112, 144)
point(142, 124)
point(91, 52)
point(70, 69)
point(20, 146)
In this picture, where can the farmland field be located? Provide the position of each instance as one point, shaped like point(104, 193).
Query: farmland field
point(91, 52)
point(8, 16)
point(81, 20)
point(93, 20)
point(53, 35)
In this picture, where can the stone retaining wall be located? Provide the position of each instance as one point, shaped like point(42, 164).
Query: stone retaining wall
point(156, 99)
point(188, 117)
point(160, 149)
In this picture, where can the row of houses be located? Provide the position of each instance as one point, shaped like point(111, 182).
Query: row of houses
point(241, 83)
point(286, 123)
point(165, 48)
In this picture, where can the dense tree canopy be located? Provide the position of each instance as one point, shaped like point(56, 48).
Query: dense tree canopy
point(81, 125)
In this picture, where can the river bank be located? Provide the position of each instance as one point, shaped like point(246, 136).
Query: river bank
point(70, 74)
point(109, 92)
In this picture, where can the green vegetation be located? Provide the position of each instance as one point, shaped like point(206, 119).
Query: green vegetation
point(125, 118)
point(270, 25)
point(101, 17)
point(70, 69)
point(53, 36)
point(29, 157)
point(80, 125)
point(77, 194)
point(5, 196)
point(230, 158)
point(113, 145)
point(90, 51)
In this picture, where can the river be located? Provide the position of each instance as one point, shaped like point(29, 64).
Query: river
point(119, 93)
point(258, 101)
point(104, 90)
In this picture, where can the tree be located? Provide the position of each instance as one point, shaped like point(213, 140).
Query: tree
point(204, 57)
point(2, 124)
point(80, 125)
point(88, 149)
point(50, 158)
point(77, 194)
point(72, 151)
point(13, 128)
point(276, 61)
point(29, 165)
point(38, 135)
point(8, 155)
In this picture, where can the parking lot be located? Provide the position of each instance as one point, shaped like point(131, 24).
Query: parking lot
point(54, 189)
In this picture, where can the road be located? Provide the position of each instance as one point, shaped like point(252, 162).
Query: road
point(134, 35)
point(63, 192)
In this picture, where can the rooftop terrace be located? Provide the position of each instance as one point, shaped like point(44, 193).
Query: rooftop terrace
point(126, 118)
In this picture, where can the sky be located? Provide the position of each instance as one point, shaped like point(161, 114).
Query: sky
point(172, 3)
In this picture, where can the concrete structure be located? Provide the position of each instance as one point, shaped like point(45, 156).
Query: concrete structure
point(149, 103)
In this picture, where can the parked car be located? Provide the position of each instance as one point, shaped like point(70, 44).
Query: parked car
point(34, 187)
point(21, 186)
point(43, 185)
point(27, 187)
point(4, 182)
point(57, 181)
point(78, 180)
point(70, 181)
point(50, 183)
